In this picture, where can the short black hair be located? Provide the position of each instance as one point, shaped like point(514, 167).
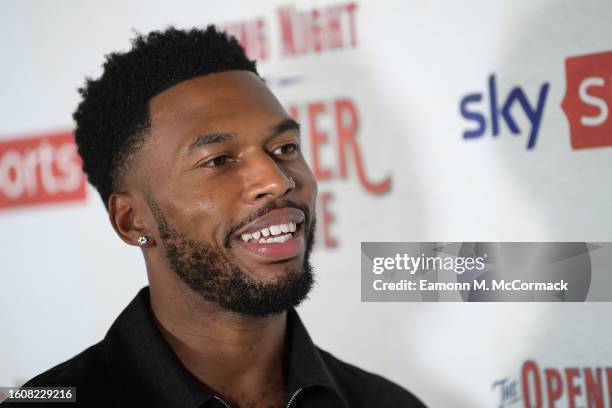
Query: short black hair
point(112, 119)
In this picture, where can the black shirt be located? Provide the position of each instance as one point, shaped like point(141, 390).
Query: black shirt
point(135, 367)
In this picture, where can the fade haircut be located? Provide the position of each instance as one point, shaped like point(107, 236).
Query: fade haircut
point(112, 120)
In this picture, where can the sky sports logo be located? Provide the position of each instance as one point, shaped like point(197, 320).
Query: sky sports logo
point(40, 169)
point(587, 102)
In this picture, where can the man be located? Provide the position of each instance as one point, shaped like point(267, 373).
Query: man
point(199, 165)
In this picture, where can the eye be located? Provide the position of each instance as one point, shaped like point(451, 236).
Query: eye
point(288, 148)
point(217, 161)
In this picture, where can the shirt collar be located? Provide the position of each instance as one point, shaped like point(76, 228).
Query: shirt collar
point(142, 360)
point(306, 367)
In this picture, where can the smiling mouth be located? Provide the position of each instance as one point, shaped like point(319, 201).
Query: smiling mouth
point(273, 234)
point(279, 235)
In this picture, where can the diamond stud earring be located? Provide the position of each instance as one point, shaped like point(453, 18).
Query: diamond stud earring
point(142, 240)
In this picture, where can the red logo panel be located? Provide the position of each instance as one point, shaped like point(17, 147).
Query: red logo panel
point(588, 99)
point(40, 170)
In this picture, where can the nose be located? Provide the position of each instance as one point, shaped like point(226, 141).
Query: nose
point(265, 180)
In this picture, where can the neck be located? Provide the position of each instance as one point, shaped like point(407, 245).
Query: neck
point(219, 347)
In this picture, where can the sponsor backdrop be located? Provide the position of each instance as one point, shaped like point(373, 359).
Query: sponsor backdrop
point(435, 121)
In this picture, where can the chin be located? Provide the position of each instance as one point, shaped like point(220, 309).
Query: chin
point(275, 271)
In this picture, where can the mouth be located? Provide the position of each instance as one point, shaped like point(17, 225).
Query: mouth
point(277, 236)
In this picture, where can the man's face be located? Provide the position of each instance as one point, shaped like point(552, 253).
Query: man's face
point(230, 191)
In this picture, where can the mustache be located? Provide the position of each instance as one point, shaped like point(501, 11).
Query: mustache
point(272, 205)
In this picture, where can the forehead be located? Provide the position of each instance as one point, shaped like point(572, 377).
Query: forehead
point(204, 103)
point(236, 102)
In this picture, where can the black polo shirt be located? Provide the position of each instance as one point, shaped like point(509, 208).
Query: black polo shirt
point(135, 367)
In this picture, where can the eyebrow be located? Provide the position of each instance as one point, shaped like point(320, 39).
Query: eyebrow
point(287, 124)
point(204, 140)
point(210, 138)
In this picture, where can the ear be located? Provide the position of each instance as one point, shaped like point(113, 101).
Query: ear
point(127, 220)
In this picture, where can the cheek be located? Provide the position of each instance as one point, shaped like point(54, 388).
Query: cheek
point(201, 216)
point(309, 183)
point(314, 189)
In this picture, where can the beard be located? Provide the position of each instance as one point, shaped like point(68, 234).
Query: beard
point(209, 271)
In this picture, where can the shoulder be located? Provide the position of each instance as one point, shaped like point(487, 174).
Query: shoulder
point(361, 385)
point(86, 371)
point(86, 367)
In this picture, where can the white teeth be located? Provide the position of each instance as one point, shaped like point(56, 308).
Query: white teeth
point(273, 231)
point(277, 240)
point(282, 238)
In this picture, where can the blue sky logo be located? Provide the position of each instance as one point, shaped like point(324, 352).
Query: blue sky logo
point(501, 111)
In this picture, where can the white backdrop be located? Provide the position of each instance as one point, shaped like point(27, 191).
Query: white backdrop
point(404, 67)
